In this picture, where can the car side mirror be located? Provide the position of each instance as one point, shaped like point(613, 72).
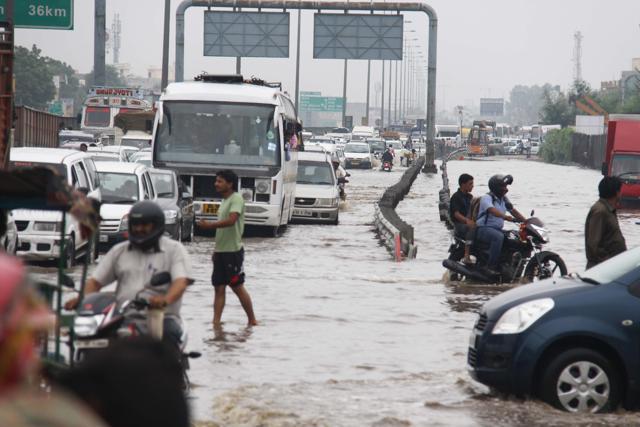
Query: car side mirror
point(159, 279)
point(533, 212)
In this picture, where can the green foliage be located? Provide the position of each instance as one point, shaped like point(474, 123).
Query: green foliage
point(557, 146)
point(525, 102)
point(556, 108)
point(112, 78)
point(34, 78)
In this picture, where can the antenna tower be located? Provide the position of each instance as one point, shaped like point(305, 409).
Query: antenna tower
point(577, 57)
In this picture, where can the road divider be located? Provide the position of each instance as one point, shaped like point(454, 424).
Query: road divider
point(393, 232)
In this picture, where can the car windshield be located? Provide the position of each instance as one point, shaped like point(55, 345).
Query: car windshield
point(356, 148)
point(613, 268)
point(316, 173)
point(377, 145)
point(56, 167)
point(164, 185)
point(137, 143)
point(97, 117)
point(626, 166)
point(119, 187)
point(218, 133)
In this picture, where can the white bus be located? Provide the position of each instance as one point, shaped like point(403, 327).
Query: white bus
point(221, 122)
point(103, 104)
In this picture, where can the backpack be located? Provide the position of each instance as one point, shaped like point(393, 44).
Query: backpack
point(474, 207)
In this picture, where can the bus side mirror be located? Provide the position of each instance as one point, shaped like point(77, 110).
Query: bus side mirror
point(605, 169)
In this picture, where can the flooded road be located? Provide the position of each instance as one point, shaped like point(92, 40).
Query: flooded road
point(347, 337)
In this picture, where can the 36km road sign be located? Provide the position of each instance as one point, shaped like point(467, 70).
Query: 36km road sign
point(43, 14)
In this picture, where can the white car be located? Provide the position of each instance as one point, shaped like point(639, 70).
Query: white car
point(10, 241)
point(358, 155)
point(122, 150)
point(137, 139)
point(39, 231)
point(324, 141)
point(535, 147)
point(122, 185)
point(100, 155)
point(317, 196)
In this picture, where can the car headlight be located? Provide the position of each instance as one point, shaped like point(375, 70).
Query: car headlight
point(170, 216)
point(263, 186)
point(124, 223)
point(86, 326)
point(326, 202)
point(197, 207)
point(518, 319)
point(47, 226)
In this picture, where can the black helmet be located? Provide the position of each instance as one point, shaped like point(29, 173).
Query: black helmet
point(498, 184)
point(146, 212)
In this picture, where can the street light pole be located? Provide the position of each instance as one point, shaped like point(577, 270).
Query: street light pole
point(165, 45)
point(382, 100)
point(395, 101)
point(368, 89)
point(297, 100)
point(389, 101)
point(344, 96)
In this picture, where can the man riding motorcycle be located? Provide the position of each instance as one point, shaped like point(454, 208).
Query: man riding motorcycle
point(387, 156)
point(492, 214)
point(132, 264)
point(341, 175)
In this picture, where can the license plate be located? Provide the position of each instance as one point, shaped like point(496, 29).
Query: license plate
point(472, 339)
point(101, 343)
point(104, 238)
point(210, 209)
point(354, 161)
point(302, 212)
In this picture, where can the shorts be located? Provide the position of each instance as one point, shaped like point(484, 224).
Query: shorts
point(228, 268)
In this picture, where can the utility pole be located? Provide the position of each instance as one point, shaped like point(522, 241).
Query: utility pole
point(298, 62)
point(99, 38)
point(165, 45)
point(389, 102)
point(395, 101)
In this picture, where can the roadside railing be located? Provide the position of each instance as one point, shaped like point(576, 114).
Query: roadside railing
point(393, 232)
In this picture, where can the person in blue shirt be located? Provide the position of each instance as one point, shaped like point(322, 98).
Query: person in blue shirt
point(492, 214)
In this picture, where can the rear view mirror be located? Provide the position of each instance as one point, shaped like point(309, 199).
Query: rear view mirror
point(159, 279)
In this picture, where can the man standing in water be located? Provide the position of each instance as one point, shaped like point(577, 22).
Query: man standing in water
point(228, 256)
point(602, 236)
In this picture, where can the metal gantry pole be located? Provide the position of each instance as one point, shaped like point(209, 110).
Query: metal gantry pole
point(389, 101)
point(99, 38)
point(368, 89)
point(165, 44)
point(382, 100)
point(344, 96)
point(395, 100)
point(298, 62)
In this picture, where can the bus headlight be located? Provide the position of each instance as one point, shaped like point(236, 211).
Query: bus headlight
point(263, 186)
point(247, 194)
point(197, 207)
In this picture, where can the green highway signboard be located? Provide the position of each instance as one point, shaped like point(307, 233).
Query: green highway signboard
point(321, 103)
point(41, 14)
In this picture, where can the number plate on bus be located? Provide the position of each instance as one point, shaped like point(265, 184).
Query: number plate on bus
point(210, 208)
point(101, 343)
point(104, 238)
point(302, 212)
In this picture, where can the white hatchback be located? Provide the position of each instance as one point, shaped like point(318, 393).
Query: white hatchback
point(317, 195)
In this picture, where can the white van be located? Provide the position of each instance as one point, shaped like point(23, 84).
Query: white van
point(39, 231)
point(123, 184)
point(317, 194)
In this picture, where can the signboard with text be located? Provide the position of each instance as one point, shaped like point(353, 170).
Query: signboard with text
point(321, 103)
point(41, 14)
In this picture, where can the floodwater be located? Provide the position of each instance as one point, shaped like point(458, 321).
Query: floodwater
point(348, 337)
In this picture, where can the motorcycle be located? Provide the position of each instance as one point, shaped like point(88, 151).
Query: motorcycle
point(387, 166)
point(342, 181)
point(99, 321)
point(522, 257)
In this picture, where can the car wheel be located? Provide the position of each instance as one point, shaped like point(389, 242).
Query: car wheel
point(337, 220)
point(581, 380)
point(70, 252)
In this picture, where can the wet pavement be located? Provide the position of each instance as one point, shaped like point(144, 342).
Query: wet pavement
point(347, 337)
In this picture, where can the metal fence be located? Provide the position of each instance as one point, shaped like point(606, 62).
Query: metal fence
point(588, 150)
point(34, 128)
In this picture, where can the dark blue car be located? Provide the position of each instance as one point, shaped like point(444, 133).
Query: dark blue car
point(574, 342)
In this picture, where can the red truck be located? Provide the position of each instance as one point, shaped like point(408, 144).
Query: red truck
point(622, 155)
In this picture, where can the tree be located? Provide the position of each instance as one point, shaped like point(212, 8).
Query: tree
point(556, 108)
point(525, 103)
point(112, 77)
point(34, 78)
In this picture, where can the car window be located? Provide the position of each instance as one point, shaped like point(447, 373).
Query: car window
point(83, 178)
point(164, 184)
point(119, 187)
point(91, 171)
point(145, 188)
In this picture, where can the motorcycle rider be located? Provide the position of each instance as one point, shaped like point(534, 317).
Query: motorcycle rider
point(492, 213)
point(459, 210)
point(387, 156)
point(341, 174)
point(132, 263)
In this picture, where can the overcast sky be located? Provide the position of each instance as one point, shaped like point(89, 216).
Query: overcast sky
point(484, 47)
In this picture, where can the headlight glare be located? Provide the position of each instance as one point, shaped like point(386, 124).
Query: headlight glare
point(519, 318)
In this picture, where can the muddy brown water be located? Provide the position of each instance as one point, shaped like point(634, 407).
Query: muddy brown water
point(347, 337)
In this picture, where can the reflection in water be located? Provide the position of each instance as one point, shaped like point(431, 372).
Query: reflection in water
point(350, 338)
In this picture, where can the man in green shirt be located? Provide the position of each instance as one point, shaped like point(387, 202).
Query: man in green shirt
point(228, 257)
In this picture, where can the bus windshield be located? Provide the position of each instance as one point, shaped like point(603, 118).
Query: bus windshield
point(97, 117)
point(218, 133)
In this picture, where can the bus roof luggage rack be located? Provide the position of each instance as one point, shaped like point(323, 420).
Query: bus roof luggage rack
point(219, 78)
